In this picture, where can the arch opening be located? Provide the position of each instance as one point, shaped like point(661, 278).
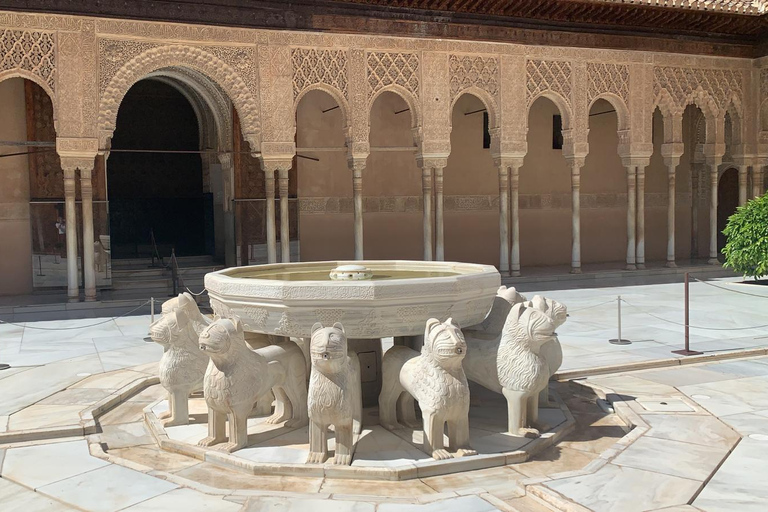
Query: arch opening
point(545, 190)
point(471, 185)
point(727, 202)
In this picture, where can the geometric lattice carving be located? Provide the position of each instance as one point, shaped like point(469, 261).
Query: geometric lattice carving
point(681, 83)
point(613, 78)
point(548, 75)
point(32, 51)
point(312, 66)
point(387, 68)
point(114, 53)
point(481, 72)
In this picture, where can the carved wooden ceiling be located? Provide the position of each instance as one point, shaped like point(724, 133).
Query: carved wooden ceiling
point(737, 28)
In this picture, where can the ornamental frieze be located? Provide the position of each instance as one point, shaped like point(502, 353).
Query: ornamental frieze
point(31, 51)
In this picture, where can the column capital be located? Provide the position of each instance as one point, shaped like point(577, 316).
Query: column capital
point(641, 161)
point(575, 162)
point(504, 161)
point(280, 165)
point(277, 151)
point(70, 164)
point(77, 147)
point(432, 162)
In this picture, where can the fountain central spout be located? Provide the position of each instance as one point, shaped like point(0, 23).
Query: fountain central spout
point(351, 273)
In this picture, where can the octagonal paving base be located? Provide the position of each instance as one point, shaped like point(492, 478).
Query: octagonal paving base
point(379, 455)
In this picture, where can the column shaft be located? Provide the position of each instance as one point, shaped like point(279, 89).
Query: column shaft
point(631, 217)
point(439, 225)
point(269, 178)
point(285, 236)
point(514, 188)
point(671, 217)
point(713, 215)
point(504, 241)
point(73, 288)
point(757, 181)
point(575, 220)
point(426, 187)
point(695, 182)
point(640, 219)
point(357, 193)
point(743, 174)
point(86, 191)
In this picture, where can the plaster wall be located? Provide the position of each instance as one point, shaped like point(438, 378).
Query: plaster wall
point(16, 251)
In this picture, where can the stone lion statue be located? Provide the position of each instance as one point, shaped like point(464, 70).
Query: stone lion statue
point(513, 366)
point(334, 397)
point(502, 303)
point(237, 376)
point(182, 366)
point(435, 378)
point(551, 351)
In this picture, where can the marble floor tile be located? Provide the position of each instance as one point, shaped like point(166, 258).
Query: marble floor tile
point(410, 488)
point(149, 353)
point(740, 368)
point(503, 481)
point(31, 466)
point(555, 459)
point(665, 405)
point(15, 498)
point(634, 385)
point(151, 455)
point(623, 489)
point(76, 396)
point(107, 489)
point(111, 380)
point(739, 484)
point(41, 416)
point(701, 430)
point(187, 500)
point(269, 504)
point(460, 504)
point(149, 394)
point(126, 412)
point(125, 435)
point(222, 478)
point(748, 423)
point(686, 460)
point(684, 376)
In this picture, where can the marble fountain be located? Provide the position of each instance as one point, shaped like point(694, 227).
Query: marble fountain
point(294, 381)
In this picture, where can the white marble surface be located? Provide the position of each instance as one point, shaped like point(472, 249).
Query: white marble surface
point(701, 430)
point(270, 504)
point(33, 467)
point(460, 504)
point(15, 498)
point(187, 500)
point(107, 489)
point(676, 458)
point(623, 489)
point(740, 483)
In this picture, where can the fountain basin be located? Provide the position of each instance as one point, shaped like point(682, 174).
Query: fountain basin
point(287, 299)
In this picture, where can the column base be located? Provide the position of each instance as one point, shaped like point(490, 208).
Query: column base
point(90, 298)
point(640, 266)
point(671, 264)
point(713, 261)
point(630, 266)
point(515, 273)
point(575, 270)
point(73, 299)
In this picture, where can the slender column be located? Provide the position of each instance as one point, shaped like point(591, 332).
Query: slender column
point(743, 173)
point(439, 226)
point(357, 195)
point(73, 288)
point(285, 236)
point(695, 182)
point(640, 219)
point(426, 187)
point(713, 215)
point(631, 217)
point(269, 179)
point(514, 188)
point(757, 180)
point(504, 197)
point(575, 218)
point(671, 215)
point(86, 191)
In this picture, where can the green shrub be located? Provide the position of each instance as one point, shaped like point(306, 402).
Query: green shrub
point(746, 249)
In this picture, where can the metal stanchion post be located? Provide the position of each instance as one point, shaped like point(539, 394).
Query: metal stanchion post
point(152, 309)
point(687, 350)
point(619, 340)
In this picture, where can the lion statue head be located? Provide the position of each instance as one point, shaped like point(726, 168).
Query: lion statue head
point(444, 343)
point(222, 336)
point(171, 330)
point(528, 327)
point(328, 347)
point(556, 311)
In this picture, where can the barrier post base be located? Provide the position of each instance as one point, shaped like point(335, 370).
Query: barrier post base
point(685, 352)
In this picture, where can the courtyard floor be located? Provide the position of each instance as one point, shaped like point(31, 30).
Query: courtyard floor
point(674, 437)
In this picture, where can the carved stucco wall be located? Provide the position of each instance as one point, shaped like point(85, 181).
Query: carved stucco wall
point(87, 65)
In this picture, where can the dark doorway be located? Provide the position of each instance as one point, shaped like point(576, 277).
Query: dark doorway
point(727, 202)
point(160, 193)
